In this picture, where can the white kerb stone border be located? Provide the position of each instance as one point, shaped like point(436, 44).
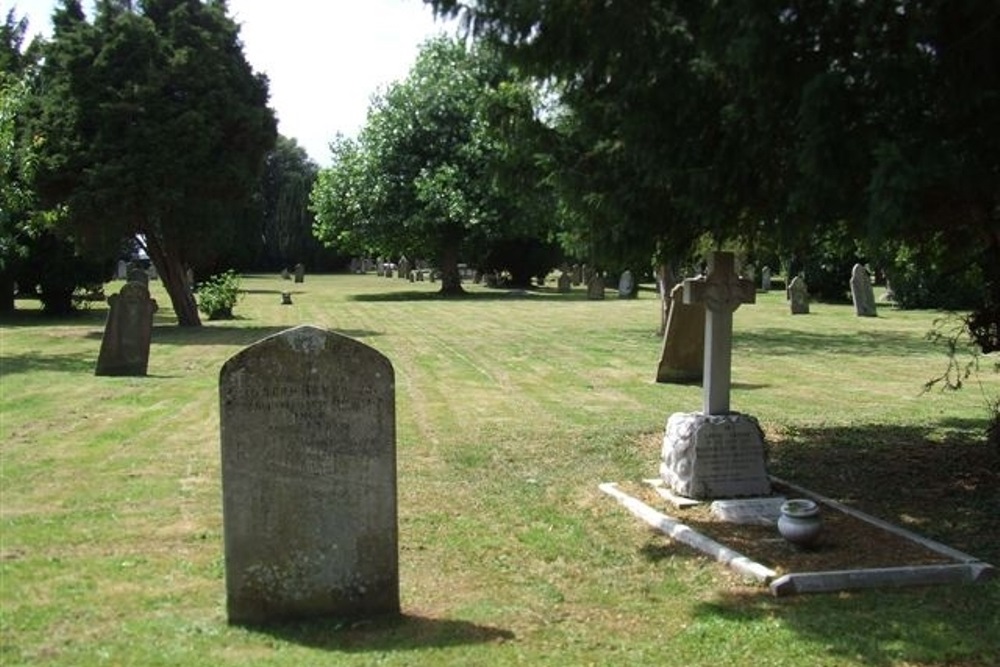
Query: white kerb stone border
point(966, 569)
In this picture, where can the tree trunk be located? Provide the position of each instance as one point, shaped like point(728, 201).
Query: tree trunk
point(451, 279)
point(174, 277)
point(6, 292)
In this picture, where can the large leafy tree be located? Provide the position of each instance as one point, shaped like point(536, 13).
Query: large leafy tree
point(151, 125)
point(776, 119)
point(431, 173)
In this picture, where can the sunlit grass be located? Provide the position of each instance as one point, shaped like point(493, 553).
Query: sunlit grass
point(510, 410)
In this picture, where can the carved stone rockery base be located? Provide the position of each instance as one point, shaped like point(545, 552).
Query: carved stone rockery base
point(714, 456)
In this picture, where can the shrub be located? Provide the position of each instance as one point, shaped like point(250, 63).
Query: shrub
point(219, 294)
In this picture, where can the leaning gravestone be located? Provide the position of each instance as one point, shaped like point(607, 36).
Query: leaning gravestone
point(307, 421)
point(862, 292)
point(716, 453)
point(682, 357)
point(127, 332)
point(798, 296)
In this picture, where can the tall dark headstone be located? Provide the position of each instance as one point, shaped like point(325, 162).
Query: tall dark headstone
point(128, 332)
point(308, 435)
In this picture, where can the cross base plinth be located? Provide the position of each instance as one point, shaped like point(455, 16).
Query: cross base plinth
point(714, 456)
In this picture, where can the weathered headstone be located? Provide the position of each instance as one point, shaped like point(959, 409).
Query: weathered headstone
point(682, 357)
point(128, 332)
point(121, 270)
point(307, 421)
point(300, 273)
point(798, 296)
point(595, 285)
point(765, 279)
point(626, 285)
point(577, 275)
point(286, 274)
point(565, 282)
point(404, 267)
point(862, 292)
point(379, 266)
point(716, 453)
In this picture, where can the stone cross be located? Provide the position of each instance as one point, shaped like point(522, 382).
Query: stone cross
point(722, 291)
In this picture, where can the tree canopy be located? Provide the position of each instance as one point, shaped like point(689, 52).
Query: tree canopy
point(775, 119)
point(430, 175)
point(151, 124)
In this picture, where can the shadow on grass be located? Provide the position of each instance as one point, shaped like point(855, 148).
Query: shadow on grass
point(925, 626)
point(548, 294)
point(36, 318)
point(941, 481)
point(60, 363)
point(777, 341)
point(223, 334)
point(403, 633)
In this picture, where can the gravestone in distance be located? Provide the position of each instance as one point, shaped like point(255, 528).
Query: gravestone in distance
point(798, 296)
point(626, 285)
point(300, 273)
point(307, 421)
point(765, 279)
point(862, 292)
point(404, 267)
point(682, 357)
point(127, 332)
point(565, 283)
point(121, 270)
point(595, 285)
point(716, 453)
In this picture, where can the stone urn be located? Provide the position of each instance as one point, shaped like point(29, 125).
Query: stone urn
point(800, 522)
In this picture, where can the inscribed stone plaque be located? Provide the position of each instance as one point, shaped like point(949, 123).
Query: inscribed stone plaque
point(714, 456)
point(752, 511)
point(308, 436)
point(128, 332)
point(682, 357)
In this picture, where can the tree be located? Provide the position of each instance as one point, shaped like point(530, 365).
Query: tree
point(429, 175)
point(773, 119)
point(15, 165)
point(289, 176)
point(151, 125)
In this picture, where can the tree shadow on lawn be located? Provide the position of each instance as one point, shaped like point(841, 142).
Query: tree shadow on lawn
point(549, 295)
point(403, 633)
point(60, 363)
point(926, 626)
point(776, 341)
point(939, 481)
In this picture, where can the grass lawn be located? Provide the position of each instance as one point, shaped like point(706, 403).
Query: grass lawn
point(511, 409)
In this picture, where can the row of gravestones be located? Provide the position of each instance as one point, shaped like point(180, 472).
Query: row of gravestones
point(683, 350)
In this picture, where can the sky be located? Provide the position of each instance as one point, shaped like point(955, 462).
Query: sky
point(324, 58)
